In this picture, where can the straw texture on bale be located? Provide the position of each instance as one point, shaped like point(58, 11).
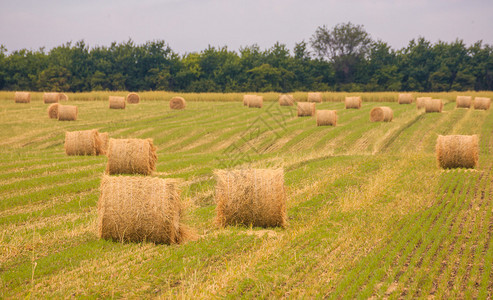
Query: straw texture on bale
point(433, 105)
point(326, 117)
point(67, 113)
point(133, 98)
point(104, 137)
point(137, 209)
point(306, 109)
point(405, 99)
point(22, 97)
point(246, 99)
point(177, 103)
point(352, 102)
point(257, 102)
point(116, 102)
point(315, 97)
point(482, 103)
point(53, 111)
point(463, 101)
point(51, 97)
point(457, 151)
point(381, 114)
point(420, 102)
point(85, 142)
point(286, 100)
point(63, 97)
point(251, 197)
point(131, 156)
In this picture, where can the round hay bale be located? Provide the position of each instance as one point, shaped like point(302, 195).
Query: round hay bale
point(104, 137)
point(314, 97)
point(53, 111)
point(246, 99)
point(326, 117)
point(457, 151)
point(116, 102)
point(482, 103)
point(405, 98)
point(67, 113)
point(306, 109)
point(420, 102)
point(63, 97)
point(51, 98)
point(250, 197)
point(256, 102)
point(463, 101)
point(85, 142)
point(286, 100)
point(433, 105)
point(138, 209)
point(133, 98)
point(381, 114)
point(131, 156)
point(353, 102)
point(22, 97)
point(177, 103)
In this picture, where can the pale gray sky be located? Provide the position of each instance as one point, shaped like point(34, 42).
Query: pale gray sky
point(191, 25)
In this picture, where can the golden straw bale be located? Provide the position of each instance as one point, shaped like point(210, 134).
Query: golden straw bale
point(85, 142)
point(104, 137)
point(22, 97)
point(131, 156)
point(177, 103)
point(251, 197)
point(286, 100)
point(246, 99)
point(420, 102)
point(133, 98)
point(326, 117)
point(457, 151)
point(53, 111)
point(63, 97)
point(138, 209)
point(67, 113)
point(315, 97)
point(353, 102)
point(405, 99)
point(306, 109)
point(381, 114)
point(256, 102)
point(433, 105)
point(51, 97)
point(482, 103)
point(463, 101)
point(116, 102)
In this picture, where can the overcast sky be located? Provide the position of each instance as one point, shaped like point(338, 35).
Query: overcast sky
point(192, 25)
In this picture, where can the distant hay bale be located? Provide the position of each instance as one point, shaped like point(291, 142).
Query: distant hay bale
point(246, 99)
point(177, 103)
point(131, 156)
point(257, 102)
point(326, 117)
point(381, 114)
point(463, 101)
point(138, 209)
point(104, 137)
point(51, 97)
point(420, 102)
point(63, 97)
point(67, 113)
point(133, 98)
point(315, 97)
point(22, 97)
point(405, 99)
point(286, 100)
point(116, 102)
point(352, 102)
point(53, 111)
point(433, 105)
point(482, 103)
point(250, 197)
point(457, 151)
point(85, 142)
point(306, 109)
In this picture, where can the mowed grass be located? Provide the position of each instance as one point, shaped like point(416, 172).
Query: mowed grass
point(370, 213)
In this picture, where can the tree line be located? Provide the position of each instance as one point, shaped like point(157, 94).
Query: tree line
point(342, 58)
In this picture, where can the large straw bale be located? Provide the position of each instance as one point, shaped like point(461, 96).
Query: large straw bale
point(116, 102)
point(22, 97)
point(131, 156)
point(306, 109)
point(420, 102)
point(326, 117)
point(53, 111)
point(381, 114)
point(85, 142)
point(104, 137)
point(463, 101)
point(256, 102)
point(405, 99)
point(433, 105)
point(63, 97)
point(286, 100)
point(67, 113)
point(251, 197)
point(177, 103)
point(51, 97)
point(315, 97)
point(246, 99)
point(482, 103)
point(457, 151)
point(352, 102)
point(133, 98)
point(137, 209)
